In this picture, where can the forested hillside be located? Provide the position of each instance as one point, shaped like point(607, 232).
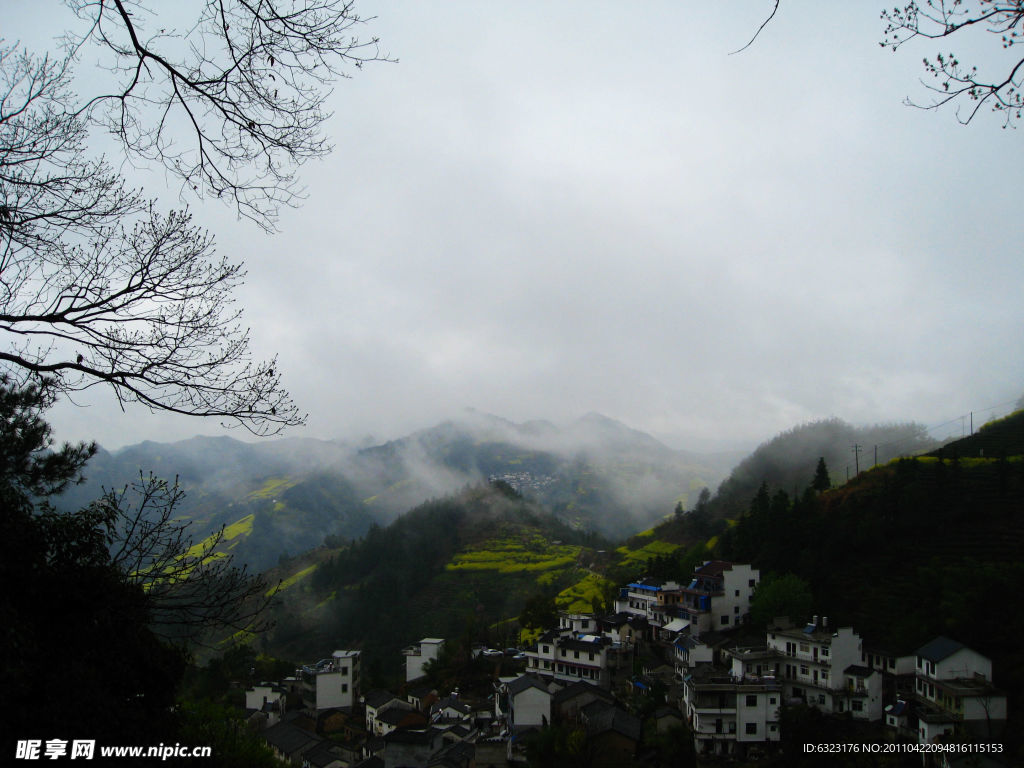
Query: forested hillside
point(454, 567)
point(787, 462)
point(909, 550)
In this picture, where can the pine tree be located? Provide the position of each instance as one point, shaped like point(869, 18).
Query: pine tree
point(821, 482)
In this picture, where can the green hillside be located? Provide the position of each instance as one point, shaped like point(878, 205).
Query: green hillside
point(910, 550)
point(465, 564)
point(787, 461)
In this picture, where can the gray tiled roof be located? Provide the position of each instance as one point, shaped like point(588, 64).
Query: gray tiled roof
point(940, 648)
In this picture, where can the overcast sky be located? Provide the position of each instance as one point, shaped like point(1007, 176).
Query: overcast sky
point(550, 208)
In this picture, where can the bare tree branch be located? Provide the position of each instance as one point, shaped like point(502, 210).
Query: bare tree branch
point(233, 104)
point(96, 286)
point(954, 81)
point(760, 29)
point(193, 590)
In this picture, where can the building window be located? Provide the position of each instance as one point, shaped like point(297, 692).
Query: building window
point(737, 593)
point(751, 729)
point(344, 670)
point(544, 649)
point(575, 654)
point(821, 698)
point(750, 583)
point(344, 687)
point(751, 700)
point(771, 700)
point(735, 609)
point(857, 706)
point(824, 651)
point(803, 669)
point(725, 620)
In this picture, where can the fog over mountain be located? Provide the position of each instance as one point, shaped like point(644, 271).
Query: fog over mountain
point(594, 473)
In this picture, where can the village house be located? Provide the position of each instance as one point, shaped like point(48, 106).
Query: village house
point(567, 703)
point(375, 703)
point(624, 629)
point(332, 683)
point(265, 703)
point(688, 651)
point(326, 755)
point(578, 623)
point(718, 596)
point(648, 599)
point(291, 739)
point(405, 748)
point(727, 714)
point(417, 657)
point(953, 688)
point(563, 655)
point(526, 701)
point(613, 734)
point(825, 668)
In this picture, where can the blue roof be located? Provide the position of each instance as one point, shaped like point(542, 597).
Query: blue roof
point(896, 709)
point(645, 587)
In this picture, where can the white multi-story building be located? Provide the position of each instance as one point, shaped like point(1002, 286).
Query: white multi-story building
point(728, 714)
point(564, 655)
point(718, 596)
point(648, 598)
point(953, 684)
point(826, 668)
point(333, 683)
point(688, 651)
point(580, 623)
point(416, 656)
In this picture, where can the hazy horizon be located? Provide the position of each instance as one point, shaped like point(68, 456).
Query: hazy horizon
point(542, 211)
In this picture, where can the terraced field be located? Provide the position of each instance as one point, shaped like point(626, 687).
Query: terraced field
point(515, 556)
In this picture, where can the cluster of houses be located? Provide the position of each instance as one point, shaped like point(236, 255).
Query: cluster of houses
point(665, 637)
point(523, 482)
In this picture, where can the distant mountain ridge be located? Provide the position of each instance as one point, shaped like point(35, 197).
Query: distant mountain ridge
point(595, 473)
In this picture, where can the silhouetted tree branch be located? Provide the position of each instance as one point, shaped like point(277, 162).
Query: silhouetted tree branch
point(233, 103)
point(956, 82)
point(96, 285)
point(193, 590)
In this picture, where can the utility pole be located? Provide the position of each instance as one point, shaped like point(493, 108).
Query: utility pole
point(856, 458)
point(876, 456)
